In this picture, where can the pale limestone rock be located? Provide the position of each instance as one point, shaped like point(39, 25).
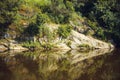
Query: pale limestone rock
point(79, 39)
point(74, 45)
point(62, 46)
point(3, 48)
point(13, 46)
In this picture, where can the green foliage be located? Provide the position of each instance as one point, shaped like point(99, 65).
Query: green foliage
point(69, 5)
point(103, 16)
point(84, 45)
point(69, 43)
point(41, 19)
point(32, 30)
point(64, 31)
point(8, 10)
point(36, 28)
point(45, 32)
point(58, 11)
point(100, 34)
point(41, 2)
point(47, 46)
point(93, 25)
point(31, 44)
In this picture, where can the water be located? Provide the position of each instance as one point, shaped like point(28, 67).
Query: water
point(72, 65)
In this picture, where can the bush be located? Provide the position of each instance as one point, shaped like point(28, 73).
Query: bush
point(100, 34)
point(41, 19)
point(44, 31)
point(64, 31)
point(36, 27)
point(92, 24)
point(47, 46)
point(57, 11)
point(31, 44)
point(69, 43)
point(84, 45)
point(32, 30)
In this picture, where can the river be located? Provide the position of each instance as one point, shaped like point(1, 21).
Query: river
point(60, 65)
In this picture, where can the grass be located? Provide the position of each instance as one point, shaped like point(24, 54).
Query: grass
point(31, 44)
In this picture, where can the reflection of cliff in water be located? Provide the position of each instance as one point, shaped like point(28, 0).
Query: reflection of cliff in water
point(72, 65)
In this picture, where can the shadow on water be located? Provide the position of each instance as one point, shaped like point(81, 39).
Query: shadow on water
point(105, 67)
point(72, 65)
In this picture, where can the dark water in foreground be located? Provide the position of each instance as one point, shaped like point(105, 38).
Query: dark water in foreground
point(60, 66)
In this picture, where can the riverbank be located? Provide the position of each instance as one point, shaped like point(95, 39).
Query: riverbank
point(75, 41)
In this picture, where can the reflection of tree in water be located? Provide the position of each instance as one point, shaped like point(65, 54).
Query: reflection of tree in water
point(21, 67)
point(5, 73)
point(54, 66)
point(30, 67)
point(62, 66)
point(48, 65)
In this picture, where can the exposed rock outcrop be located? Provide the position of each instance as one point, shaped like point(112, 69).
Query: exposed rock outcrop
point(63, 46)
point(3, 48)
point(11, 45)
point(16, 47)
point(80, 40)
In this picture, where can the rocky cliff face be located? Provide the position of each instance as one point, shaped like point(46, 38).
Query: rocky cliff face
point(82, 42)
point(79, 39)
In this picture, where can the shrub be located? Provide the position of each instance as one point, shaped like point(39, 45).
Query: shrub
point(31, 44)
point(100, 34)
point(36, 27)
point(47, 46)
point(64, 31)
point(84, 45)
point(41, 19)
point(32, 30)
point(44, 31)
point(93, 25)
point(69, 6)
point(69, 43)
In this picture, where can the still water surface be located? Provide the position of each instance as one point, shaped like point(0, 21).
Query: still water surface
point(60, 65)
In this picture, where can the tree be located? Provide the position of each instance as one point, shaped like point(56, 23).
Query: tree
point(8, 9)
